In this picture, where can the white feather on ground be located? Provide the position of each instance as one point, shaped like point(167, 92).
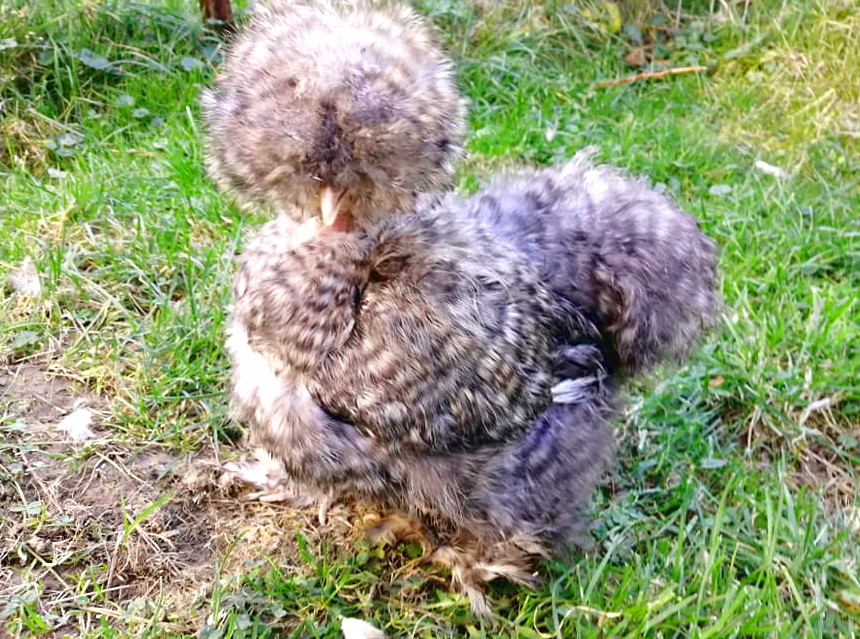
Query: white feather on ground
point(77, 425)
point(358, 629)
point(25, 279)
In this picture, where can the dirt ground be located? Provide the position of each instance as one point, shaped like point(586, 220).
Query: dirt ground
point(99, 517)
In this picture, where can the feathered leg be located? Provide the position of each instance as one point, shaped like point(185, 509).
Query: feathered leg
point(399, 526)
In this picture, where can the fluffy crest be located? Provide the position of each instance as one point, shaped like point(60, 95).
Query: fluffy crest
point(350, 95)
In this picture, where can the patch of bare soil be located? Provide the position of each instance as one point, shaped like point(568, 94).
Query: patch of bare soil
point(32, 394)
point(93, 528)
point(828, 467)
point(826, 453)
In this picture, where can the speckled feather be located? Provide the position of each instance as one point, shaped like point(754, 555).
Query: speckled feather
point(481, 273)
point(605, 240)
point(427, 336)
point(456, 361)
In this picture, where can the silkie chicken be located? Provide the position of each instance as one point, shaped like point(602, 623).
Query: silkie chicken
point(454, 360)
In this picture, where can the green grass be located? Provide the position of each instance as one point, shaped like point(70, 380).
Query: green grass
point(732, 509)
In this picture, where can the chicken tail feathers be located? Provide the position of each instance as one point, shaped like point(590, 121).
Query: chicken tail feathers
point(623, 253)
point(646, 267)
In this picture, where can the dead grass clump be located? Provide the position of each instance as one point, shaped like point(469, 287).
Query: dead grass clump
point(826, 455)
point(828, 459)
point(23, 144)
point(97, 528)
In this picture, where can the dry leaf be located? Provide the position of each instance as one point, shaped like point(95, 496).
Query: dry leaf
point(636, 57)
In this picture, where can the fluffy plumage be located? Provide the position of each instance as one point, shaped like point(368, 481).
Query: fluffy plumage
point(458, 362)
point(608, 242)
point(353, 96)
point(454, 361)
point(427, 332)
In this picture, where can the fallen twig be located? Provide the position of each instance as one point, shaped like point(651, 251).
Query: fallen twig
point(651, 75)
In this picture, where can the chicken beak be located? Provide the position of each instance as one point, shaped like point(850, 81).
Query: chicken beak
point(332, 203)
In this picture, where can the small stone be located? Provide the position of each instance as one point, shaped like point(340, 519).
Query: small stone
point(770, 169)
point(720, 190)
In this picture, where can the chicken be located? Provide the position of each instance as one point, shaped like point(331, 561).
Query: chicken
point(459, 362)
point(454, 360)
